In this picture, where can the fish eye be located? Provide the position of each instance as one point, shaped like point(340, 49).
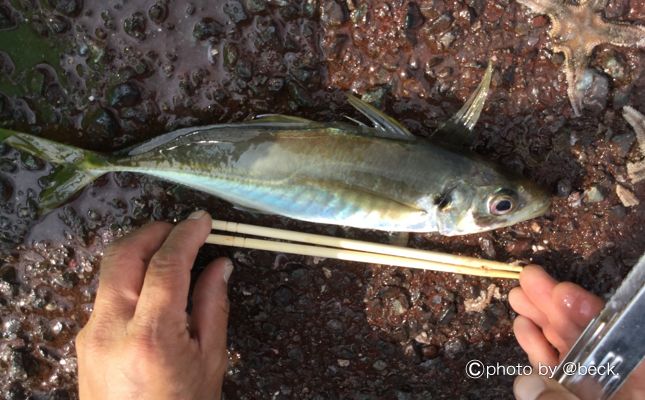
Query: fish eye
point(501, 204)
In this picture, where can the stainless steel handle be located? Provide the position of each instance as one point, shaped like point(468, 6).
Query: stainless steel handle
point(612, 345)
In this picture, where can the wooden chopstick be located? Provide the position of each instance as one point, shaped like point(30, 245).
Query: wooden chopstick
point(350, 244)
point(359, 251)
point(353, 255)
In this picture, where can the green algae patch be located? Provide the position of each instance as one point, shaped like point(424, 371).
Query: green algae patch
point(26, 50)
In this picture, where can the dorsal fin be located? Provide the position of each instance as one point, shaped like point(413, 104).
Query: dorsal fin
point(457, 131)
point(357, 122)
point(388, 126)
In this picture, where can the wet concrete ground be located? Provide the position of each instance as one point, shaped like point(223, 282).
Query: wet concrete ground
point(103, 77)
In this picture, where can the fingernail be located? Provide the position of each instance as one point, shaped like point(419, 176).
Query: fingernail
point(228, 269)
point(197, 215)
point(529, 387)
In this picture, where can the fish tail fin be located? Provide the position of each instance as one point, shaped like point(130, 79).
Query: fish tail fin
point(75, 168)
point(66, 181)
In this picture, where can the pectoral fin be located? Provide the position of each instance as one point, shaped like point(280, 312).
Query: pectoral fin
point(457, 131)
point(386, 125)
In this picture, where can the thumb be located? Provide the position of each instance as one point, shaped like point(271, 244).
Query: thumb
point(534, 387)
point(209, 317)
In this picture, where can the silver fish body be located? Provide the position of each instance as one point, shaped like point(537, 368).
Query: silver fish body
point(337, 174)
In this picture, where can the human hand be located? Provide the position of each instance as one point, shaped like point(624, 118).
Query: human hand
point(139, 342)
point(551, 317)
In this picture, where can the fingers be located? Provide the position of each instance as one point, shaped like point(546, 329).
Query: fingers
point(523, 306)
point(123, 268)
point(538, 285)
point(209, 317)
point(552, 314)
point(533, 387)
point(576, 304)
point(531, 339)
point(535, 302)
point(165, 287)
point(573, 308)
point(554, 337)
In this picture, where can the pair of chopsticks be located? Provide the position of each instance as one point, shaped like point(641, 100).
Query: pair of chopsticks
point(356, 250)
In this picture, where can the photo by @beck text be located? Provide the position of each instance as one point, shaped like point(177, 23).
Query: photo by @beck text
point(476, 369)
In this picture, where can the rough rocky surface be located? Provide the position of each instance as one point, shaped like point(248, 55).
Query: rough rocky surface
point(103, 77)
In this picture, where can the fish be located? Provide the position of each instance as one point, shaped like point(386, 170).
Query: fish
point(379, 177)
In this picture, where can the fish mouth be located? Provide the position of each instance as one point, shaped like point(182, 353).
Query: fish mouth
point(546, 205)
point(539, 205)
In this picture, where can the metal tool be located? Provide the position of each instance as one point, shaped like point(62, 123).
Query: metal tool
point(612, 345)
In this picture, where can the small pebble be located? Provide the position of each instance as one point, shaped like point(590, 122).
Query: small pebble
point(255, 6)
point(422, 338)
point(575, 199)
point(636, 171)
point(447, 39)
point(453, 347)
point(135, 25)
point(10, 327)
point(342, 363)
point(564, 187)
point(535, 227)
point(56, 327)
point(626, 196)
point(596, 90)
point(207, 28)
point(67, 7)
point(158, 13)
point(623, 143)
point(332, 14)
point(487, 247)
point(235, 11)
point(379, 365)
point(124, 95)
point(335, 325)
point(593, 195)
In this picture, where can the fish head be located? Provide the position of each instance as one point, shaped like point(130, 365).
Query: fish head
point(479, 206)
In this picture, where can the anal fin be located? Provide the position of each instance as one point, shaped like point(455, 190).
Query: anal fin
point(251, 210)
